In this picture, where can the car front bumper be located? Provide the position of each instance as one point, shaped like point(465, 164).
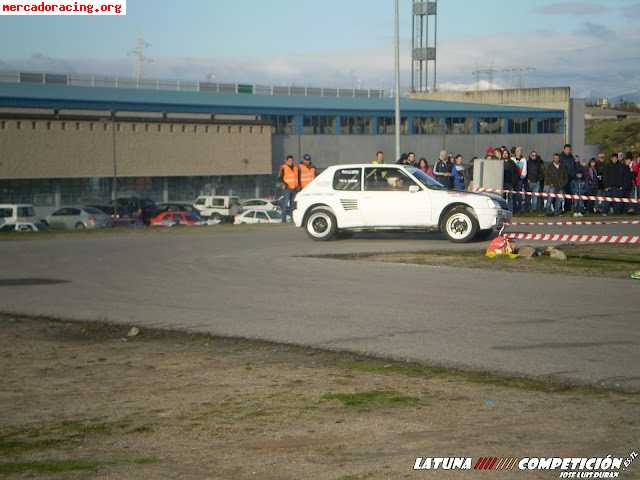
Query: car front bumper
point(493, 218)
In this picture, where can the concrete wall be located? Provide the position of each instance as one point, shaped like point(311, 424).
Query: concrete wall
point(77, 149)
point(577, 126)
point(343, 149)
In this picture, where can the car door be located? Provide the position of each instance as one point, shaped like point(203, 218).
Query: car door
point(347, 185)
point(58, 219)
point(393, 199)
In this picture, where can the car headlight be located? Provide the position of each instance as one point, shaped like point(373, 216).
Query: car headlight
point(491, 203)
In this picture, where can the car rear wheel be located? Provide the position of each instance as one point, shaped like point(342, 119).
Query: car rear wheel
point(460, 225)
point(80, 226)
point(321, 225)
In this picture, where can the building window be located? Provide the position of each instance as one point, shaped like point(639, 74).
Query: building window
point(458, 125)
point(318, 125)
point(520, 125)
point(428, 126)
point(550, 125)
point(387, 126)
point(357, 125)
point(282, 124)
point(490, 125)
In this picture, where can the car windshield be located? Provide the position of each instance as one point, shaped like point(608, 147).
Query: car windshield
point(425, 179)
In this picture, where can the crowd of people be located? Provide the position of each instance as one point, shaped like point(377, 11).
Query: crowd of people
point(617, 176)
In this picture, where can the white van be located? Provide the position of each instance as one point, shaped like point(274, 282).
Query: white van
point(15, 214)
point(217, 207)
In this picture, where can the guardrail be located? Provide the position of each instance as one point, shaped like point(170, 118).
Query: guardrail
point(78, 80)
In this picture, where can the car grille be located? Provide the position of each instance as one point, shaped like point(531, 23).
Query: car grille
point(349, 205)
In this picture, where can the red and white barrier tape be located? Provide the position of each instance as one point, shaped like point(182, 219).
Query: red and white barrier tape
point(561, 195)
point(579, 222)
point(552, 237)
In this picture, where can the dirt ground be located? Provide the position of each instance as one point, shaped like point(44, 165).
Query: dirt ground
point(81, 401)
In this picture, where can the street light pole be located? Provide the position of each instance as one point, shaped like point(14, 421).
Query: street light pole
point(397, 75)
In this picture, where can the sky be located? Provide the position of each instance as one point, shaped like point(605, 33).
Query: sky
point(592, 46)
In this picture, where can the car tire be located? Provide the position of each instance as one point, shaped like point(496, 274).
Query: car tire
point(216, 217)
point(80, 226)
point(460, 225)
point(321, 225)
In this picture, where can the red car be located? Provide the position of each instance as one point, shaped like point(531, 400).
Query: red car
point(170, 219)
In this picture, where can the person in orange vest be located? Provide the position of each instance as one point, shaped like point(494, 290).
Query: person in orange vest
point(307, 171)
point(289, 178)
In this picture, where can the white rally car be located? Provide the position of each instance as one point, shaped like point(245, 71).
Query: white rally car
point(393, 197)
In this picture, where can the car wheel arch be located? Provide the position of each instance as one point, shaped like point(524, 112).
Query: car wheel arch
point(452, 206)
point(316, 206)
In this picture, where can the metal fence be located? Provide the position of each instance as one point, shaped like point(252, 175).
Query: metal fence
point(102, 81)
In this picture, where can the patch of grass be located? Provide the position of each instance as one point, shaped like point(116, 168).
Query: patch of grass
point(66, 466)
point(50, 466)
point(409, 369)
point(614, 135)
point(13, 446)
point(375, 398)
point(611, 261)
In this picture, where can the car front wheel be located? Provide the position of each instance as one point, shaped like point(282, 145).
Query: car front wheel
point(321, 225)
point(460, 225)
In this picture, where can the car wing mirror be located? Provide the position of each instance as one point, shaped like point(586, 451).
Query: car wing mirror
point(414, 189)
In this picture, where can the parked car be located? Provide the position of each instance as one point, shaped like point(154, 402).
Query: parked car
point(259, 216)
point(218, 207)
point(21, 227)
point(79, 218)
point(12, 214)
point(134, 208)
point(259, 204)
point(170, 219)
point(393, 197)
point(177, 207)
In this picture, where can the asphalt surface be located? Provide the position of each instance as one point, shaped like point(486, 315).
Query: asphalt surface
point(258, 282)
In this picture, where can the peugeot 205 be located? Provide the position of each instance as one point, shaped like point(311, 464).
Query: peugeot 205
point(348, 198)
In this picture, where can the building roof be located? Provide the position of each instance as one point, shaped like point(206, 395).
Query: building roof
point(26, 95)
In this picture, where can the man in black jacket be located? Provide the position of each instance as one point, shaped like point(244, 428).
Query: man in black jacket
point(614, 177)
point(535, 177)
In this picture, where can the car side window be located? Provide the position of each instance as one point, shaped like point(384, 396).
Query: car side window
point(6, 212)
point(74, 212)
point(61, 213)
point(251, 215)
point(262, 216)
point(387, 180)
point(349, 180)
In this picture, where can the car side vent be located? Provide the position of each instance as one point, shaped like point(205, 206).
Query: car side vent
point(349, 205)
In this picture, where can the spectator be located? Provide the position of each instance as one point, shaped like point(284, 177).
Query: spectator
point(613, 179)
point(593, 180)
point(555, 181)
point(289, 178)
point(458, 174)
point(629, 180)
point(442, 171)
point(423, 165)
point(579, 187)
point(569, 163)
point(411, 159)
point(379, 158)
point(636, 172)
point(521, 165)
point(535, 177)
point(403, 160)
point(511, 177)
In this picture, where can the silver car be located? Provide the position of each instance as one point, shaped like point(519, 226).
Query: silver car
point(79, 218)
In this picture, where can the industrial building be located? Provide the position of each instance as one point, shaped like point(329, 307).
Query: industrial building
point(68, 140)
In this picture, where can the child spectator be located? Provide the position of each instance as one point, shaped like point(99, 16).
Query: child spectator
point(579, 187)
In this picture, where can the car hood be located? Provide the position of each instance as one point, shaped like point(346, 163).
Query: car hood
point(476, 196)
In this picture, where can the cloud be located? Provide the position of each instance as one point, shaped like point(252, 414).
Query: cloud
point(591, 60)
point(632, 11)
point(597, 30)
point(572, 8)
